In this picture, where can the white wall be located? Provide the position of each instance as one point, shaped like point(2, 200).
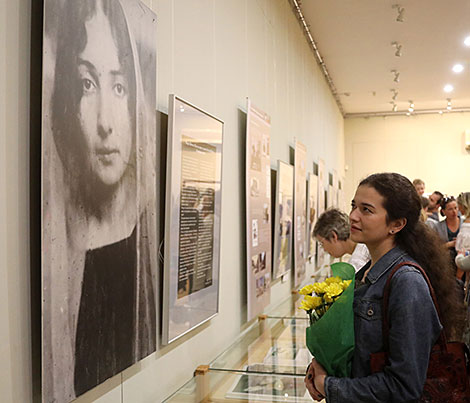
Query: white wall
point(214, 54)
point(429, 147)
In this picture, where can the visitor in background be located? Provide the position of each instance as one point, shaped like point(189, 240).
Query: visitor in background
point(424, 208)
point(462, 243)
point(434, 203)
point(332, 230)
point(449, 228)
point(419, 186)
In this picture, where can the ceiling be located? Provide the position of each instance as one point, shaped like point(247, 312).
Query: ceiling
point(354, 38)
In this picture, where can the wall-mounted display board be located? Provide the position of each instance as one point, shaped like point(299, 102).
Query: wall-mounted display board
point(312, 210)
point(98, 192)
point(192, 227)
point(283, 215)
point(300, 213)
point(321, 261)
point(258, 210)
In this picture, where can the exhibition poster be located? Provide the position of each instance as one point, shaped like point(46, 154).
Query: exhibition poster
point(312, 210)
point(283, 219)
point(99, 192)
point(258, 210)
point(192, 227)
point(300, 213)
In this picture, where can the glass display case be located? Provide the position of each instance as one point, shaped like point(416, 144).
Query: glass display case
point(266, 363)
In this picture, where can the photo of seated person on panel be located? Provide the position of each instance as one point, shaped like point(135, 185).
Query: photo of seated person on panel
point(99, 193)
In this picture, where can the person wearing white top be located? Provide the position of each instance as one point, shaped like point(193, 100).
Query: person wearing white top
point(332, 230)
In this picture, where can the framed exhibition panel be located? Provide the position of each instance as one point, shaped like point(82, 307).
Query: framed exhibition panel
point(99, 193)
point(312, 210)
point(192, 227)
point(258, 210)
point(300, 213)
point(321, 208)
point(283, 215)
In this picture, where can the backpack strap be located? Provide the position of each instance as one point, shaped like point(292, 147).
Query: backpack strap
point(385, 319)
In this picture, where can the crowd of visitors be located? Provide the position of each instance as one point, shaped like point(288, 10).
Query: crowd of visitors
point(400, 227)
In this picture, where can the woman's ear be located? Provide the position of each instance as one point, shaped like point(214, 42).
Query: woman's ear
point(397, 225)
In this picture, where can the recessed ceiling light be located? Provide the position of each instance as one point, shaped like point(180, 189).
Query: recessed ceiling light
point(458, 68)
point(467, 41)
point(448, 88)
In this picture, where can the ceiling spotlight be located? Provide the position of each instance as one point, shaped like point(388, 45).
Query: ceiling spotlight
point(412, 105)
point(448, 88)
point(457, 68)
point(396, 75)
point(449, 104)
point(408, 113)
point(467, 41)
point(394, 106)
point(397, 47)
point(401, 12)
point(395, 94)
point(440, 112)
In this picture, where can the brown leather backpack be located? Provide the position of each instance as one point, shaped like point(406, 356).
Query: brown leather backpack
point(447, 379)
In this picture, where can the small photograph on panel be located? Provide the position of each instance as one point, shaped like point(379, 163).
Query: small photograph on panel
point(260, 286)
point(262, 261)
point(98, 192)
point(254, 232)
point(255, 156)
point(265, 213)
point(267, 281)
point(265, 146)
point(255, 264)
point(254, 187)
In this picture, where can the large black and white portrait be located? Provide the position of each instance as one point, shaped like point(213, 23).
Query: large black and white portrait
point(98, 192)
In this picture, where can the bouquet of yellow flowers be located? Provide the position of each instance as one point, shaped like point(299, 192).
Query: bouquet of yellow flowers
point(329, 304)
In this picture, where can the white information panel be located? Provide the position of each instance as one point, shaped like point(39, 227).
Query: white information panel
point(283, 219)
point(258, 210)
point(192, 228)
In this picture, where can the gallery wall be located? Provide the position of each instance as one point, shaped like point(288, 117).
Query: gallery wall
point(213, 54)
point(429, 147)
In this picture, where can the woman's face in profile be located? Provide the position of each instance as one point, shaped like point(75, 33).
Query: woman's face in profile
point(103, 111)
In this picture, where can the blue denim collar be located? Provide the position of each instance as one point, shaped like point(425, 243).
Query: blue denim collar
point(382, 266)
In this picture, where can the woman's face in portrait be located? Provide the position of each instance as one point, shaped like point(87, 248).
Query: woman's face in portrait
point(103, 111)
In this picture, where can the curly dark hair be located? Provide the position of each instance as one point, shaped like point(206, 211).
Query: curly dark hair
point(422, 244)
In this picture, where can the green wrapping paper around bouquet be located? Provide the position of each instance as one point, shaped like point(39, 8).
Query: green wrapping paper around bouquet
point(331, 338)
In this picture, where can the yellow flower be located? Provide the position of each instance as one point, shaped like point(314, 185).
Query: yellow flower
point(333, 290)
point(319, 288)
point(345, 284)
point(307, 290)
point(333, 280)
point(328, 299)
point(310, 303)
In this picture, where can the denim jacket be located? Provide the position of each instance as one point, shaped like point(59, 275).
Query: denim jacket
point(414, 329)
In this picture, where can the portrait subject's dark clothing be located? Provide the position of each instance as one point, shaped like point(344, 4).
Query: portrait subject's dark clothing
point(414, 329)
point(106, 329)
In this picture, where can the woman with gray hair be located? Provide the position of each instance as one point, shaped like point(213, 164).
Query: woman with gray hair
point(332, 230)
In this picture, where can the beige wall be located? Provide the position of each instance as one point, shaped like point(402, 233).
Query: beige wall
point(429, 147)
point(214, 54)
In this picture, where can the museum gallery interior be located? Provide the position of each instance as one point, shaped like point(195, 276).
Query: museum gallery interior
point(163, 164)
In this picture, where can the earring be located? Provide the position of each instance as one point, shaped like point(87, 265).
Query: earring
point(392, 231)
